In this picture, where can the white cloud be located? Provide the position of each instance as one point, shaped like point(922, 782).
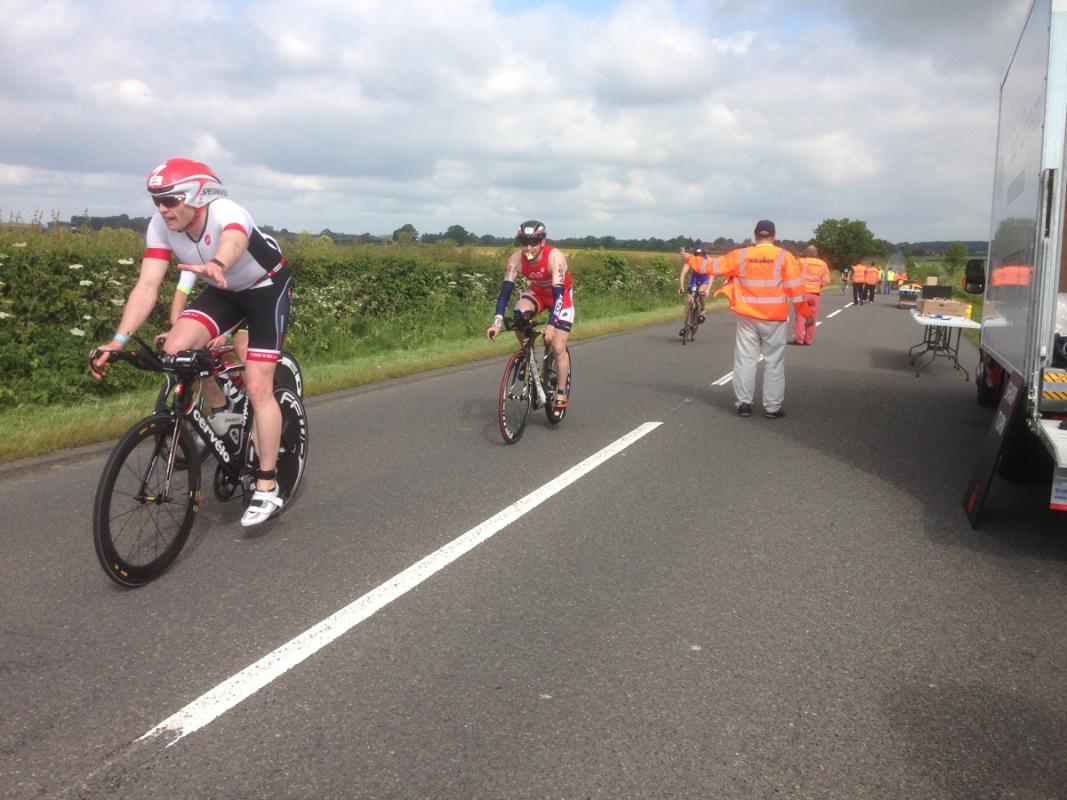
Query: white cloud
point(649, 119)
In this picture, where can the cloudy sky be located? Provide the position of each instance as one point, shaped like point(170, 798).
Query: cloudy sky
point(634, 119)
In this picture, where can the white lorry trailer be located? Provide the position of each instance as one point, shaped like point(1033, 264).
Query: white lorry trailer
point(1024, 277)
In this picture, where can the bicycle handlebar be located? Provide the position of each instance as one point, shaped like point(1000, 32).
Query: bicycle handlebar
point(186, 363)
point(522, 321)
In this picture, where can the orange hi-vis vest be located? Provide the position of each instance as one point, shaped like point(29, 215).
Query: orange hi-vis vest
point(764, 281)
point(1011, 275)
point(815, 273)
point(872, 274)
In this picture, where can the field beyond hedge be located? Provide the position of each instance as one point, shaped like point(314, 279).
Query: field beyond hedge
point(62, 293)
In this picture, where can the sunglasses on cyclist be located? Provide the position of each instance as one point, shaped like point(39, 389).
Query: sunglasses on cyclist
point(529, 240)
point(167, 200)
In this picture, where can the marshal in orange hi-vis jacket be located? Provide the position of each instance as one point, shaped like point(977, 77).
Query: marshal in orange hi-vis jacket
point(764, 280)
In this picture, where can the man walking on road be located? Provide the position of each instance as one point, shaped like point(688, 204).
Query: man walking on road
point(764, 280)
point(816, 275)
point(873, 276)
point(859, 284)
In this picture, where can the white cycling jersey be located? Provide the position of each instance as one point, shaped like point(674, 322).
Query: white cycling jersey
point(261, 256)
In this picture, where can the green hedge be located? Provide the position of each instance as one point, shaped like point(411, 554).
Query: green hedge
point(62, 291)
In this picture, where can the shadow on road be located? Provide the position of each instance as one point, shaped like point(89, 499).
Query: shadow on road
point(978, 741)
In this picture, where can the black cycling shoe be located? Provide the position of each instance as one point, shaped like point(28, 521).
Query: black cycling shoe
point(744, 410)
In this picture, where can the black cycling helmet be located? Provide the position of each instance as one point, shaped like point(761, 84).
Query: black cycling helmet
point(699, 250)
point(531, 229)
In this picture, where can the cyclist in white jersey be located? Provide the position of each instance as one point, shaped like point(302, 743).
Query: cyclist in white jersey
point(216, 239)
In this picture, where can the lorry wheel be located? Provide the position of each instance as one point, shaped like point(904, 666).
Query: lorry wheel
point(1023, 459)
point(988, 396)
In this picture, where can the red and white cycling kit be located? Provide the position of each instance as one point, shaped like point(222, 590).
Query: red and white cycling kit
point(258, 286)
point(538, 275)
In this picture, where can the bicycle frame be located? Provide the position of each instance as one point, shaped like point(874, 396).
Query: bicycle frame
point(529, 339)
point(535, 367)
point(230, 454)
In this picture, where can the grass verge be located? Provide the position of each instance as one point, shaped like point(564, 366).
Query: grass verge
point(27, 432)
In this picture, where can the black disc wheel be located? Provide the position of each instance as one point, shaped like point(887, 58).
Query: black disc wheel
point(293, 450)
point(516, 391)
point(287, 375)
point(555, 415)
point(145, 506)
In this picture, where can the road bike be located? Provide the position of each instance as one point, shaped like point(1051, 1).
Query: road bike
point(692, 316)
point(150, 490)
point(529, 381)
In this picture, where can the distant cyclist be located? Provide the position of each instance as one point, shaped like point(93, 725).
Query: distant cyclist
point(216, 239)
point(549, 287)
point(697, 285)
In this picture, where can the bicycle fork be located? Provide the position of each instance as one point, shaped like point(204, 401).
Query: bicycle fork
point(164, 489)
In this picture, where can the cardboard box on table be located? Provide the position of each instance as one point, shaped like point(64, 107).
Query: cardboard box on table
point(946, 308)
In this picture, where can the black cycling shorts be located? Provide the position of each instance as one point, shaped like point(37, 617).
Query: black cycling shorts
point(264, 308)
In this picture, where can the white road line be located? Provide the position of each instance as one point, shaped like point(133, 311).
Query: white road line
point(251, 679)
point(834, 314)
point(729, 376)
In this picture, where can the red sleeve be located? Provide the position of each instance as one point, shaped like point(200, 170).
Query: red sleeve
point(157, 252)
point(236, 226)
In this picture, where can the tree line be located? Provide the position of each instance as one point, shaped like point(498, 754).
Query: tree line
point(841, 242)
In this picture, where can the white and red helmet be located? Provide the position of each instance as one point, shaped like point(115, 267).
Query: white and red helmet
point(195, 181)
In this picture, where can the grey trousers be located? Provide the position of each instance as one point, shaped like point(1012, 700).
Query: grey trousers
point(755, 336)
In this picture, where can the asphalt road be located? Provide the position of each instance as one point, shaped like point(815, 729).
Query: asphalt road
point(725, 608)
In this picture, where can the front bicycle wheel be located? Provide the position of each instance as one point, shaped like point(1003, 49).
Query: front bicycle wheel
point(516, 394)
point(141, 518)
point(555, 416)
point(693, 319)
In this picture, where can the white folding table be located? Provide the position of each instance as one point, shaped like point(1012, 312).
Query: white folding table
point(939, 341)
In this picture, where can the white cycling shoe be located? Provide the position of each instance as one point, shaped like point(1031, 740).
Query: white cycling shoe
point(264, 505)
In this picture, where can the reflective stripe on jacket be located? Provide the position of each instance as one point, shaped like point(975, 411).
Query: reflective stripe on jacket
point(815, 273)
point(765, 279)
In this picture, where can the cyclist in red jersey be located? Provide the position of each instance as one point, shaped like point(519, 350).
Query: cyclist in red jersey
point(217, 240)
point(549, 286)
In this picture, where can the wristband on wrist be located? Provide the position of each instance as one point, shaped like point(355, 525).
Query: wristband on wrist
point(498, 321)
point(219, 263)
point(121, 338)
